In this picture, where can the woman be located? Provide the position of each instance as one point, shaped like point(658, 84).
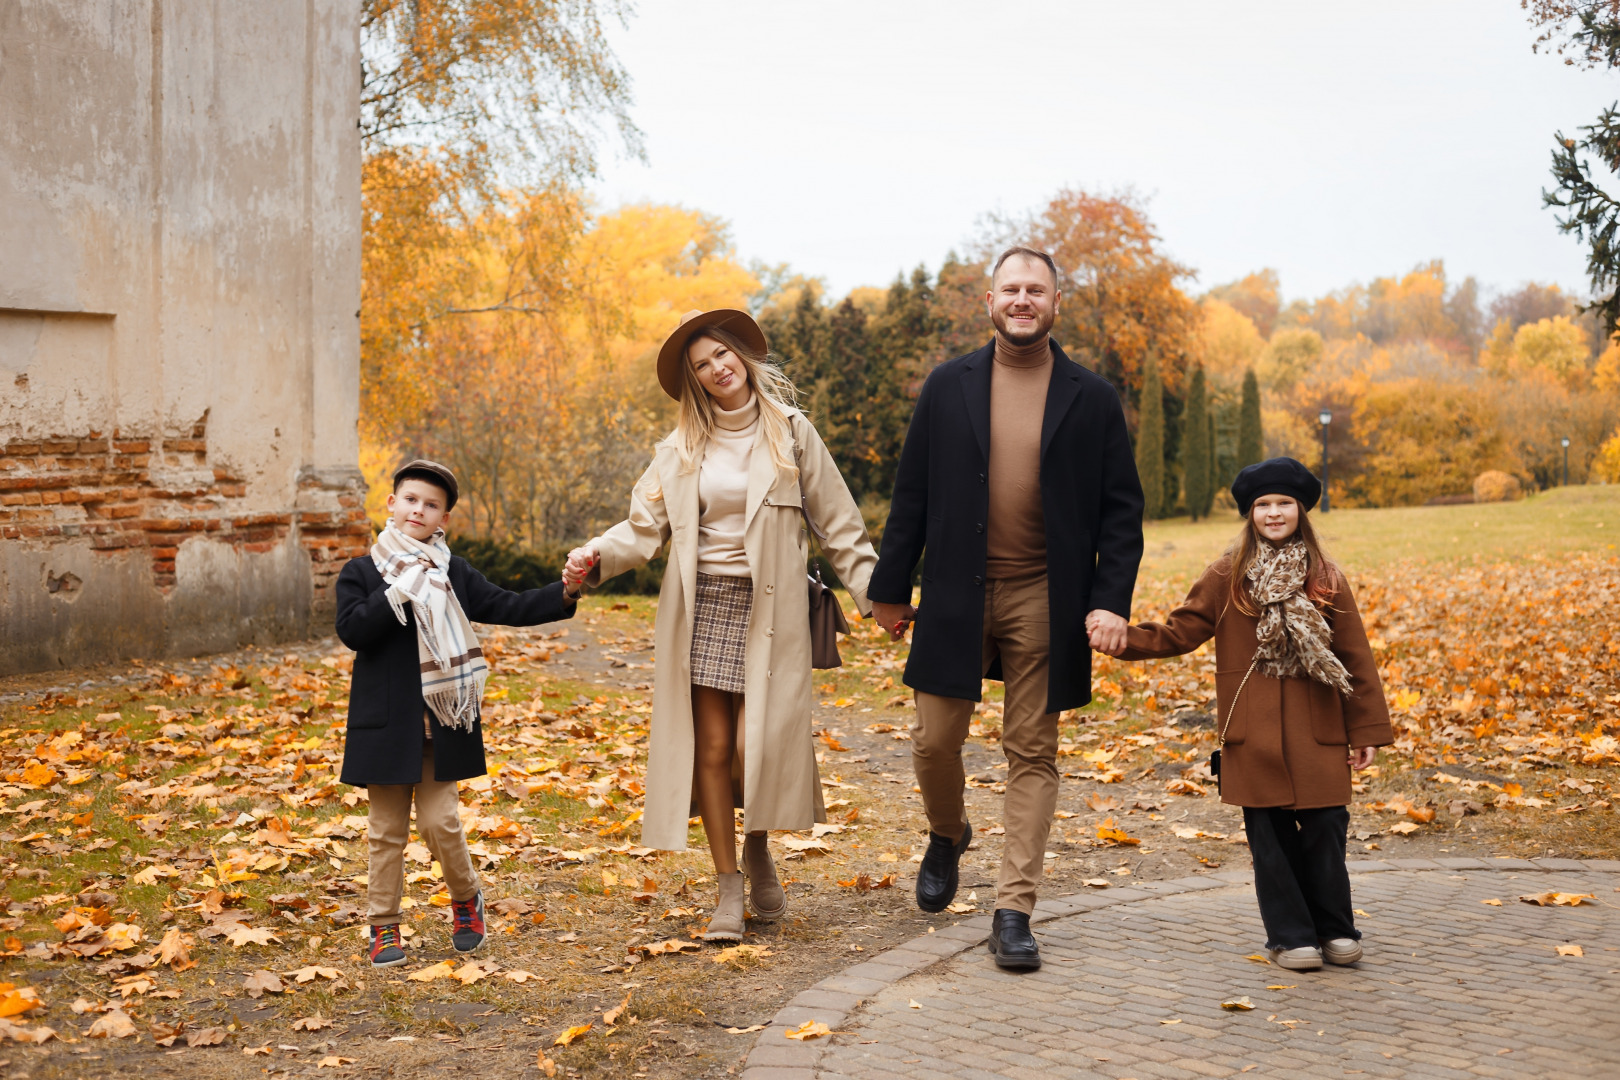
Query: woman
point(732, 676)
point(1300, 705)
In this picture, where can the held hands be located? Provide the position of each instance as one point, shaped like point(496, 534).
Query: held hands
point(1106, 632)
point(894, 617)
point(1362, 756)
point(580, 562)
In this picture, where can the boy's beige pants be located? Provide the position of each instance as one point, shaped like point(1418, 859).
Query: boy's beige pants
point(1017, 627)
point(438, 821)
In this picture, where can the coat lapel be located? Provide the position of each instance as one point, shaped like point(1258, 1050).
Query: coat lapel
point(761, 470)
point(976, 392)
point(1061, 394)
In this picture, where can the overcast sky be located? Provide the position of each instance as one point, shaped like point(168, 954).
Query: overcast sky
point(1334, 142)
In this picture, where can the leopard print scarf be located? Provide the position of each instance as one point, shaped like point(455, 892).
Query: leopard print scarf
point(1295, 640)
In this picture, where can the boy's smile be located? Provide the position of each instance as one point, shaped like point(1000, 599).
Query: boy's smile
point(418, 509)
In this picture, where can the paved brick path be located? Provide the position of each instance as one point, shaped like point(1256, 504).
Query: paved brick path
point(1135, 977)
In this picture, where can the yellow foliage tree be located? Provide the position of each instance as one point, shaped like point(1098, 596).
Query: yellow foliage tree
point(1291, 355)
point(1425, 438)
point(1606, 466)
point(1554, 345)
point(1228, 341)
point(1606, 372)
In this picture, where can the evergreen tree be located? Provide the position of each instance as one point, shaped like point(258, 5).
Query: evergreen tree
point(1214, 467)
point(1196, 443)
point(1150, 439)
point(1251, 440)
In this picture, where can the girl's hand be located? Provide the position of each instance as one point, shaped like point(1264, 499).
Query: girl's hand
point(1362, 756)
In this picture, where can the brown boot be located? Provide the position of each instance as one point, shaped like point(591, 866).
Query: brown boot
point(765, 893)
point(726, 924)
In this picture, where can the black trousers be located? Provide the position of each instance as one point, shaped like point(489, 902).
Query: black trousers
point(1299, 874)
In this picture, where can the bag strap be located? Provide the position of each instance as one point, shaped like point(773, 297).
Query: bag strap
point(804, 506)
point(1221, 738)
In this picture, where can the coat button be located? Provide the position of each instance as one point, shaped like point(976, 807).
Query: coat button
point(770, 632)
point(767, 674)
point(769, 589)
point(981, 478)
point(977, 580)
point(979, 527)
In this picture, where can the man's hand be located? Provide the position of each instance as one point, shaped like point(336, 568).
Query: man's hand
point(1362, 756)
point(894, 617)
point(1106, 631)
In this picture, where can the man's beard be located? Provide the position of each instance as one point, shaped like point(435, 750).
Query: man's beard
point(1042, 329)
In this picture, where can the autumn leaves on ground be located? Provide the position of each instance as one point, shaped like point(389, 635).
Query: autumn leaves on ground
point(186, 878)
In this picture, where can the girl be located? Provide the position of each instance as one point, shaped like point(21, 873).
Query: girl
point(732, 679)
point(1296, 685)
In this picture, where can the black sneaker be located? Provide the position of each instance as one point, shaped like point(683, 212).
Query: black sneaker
point(937, 877)
point(468, 920)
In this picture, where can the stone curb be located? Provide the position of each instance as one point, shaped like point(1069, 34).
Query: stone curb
point(835, 998)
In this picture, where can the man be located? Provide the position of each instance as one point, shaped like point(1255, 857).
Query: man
point(1017, 478)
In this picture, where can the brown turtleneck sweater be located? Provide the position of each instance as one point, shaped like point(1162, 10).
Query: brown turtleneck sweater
point(1016, 532)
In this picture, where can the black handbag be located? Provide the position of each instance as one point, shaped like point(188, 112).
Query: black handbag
point(1220, 738)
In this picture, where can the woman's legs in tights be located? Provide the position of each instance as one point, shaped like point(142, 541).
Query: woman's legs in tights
point(717, 731)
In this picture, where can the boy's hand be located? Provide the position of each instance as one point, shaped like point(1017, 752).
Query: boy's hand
point(580, 562)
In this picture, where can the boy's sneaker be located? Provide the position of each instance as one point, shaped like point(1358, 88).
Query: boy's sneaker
point(468, 921)
point(385, 946)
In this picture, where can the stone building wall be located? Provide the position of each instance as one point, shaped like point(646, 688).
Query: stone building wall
point(179, 335)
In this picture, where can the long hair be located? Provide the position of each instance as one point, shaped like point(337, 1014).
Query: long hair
point(769, 383)
point(1320, 573)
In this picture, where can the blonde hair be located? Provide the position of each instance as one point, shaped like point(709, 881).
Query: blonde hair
point(696, 422)
point(1320, 573)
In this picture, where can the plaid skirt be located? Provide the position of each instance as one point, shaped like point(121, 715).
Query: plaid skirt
point(720, 631)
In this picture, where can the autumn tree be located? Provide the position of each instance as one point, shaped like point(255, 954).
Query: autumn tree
point(1150, 439)
point(1256, 296)
point(1196, 460)
point(1251, 447)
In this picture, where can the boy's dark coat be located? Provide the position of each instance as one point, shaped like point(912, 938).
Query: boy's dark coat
point(1091, 498)
point(385, 696)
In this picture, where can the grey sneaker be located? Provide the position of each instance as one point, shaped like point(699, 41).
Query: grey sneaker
point(1341, 950)
point(1304, 958)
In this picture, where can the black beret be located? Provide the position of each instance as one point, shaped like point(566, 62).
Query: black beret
point(433, 473)
point(1279, 476)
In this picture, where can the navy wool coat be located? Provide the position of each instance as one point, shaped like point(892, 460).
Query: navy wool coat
point(1091, 498)
point(385, 695)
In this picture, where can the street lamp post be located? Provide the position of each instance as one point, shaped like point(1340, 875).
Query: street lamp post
point(1327, 418)
point(1565, 441)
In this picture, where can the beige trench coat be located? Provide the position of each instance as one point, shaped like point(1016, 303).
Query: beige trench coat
point(781, 787)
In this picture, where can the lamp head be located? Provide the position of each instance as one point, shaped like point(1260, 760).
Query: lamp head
point(1565, 442)
point(1325, 416)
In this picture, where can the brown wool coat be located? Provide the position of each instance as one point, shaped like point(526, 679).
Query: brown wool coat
point(781, 786)
point(1288, 742)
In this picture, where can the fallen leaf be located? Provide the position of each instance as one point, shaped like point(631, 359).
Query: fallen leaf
point(260, 982)
point(206, 1037)
point(1258, 958)
point(332, 1061)
point(1280, 986)
point(745, 1031)
point(913, 1003)
point(739, 953)
point(1403, 828)
point(258, 1051)
point(113, 1025)
point(519, 977)
point(1570, 950)
point(611, 1017)
point(671, 945)
point(1111, 832)
point(175, 949)
point(1095, 883)
point(547, 1066)
point(1493, 902)
point(810, 1029)
point(312, 1023)
point(313, 971)
point(1242, 1004)
point(16, 1001)
point(1558, 899)
point(251, 935)
point(473, 970)
point(568, 1037)
point(442, 970)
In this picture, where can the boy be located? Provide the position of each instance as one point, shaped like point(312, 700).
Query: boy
point(407, 609)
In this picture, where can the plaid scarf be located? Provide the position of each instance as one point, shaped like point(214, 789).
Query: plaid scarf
point(1295, 640)
point(453, 667)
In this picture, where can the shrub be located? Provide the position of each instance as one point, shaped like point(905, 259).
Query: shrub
point(1493, 485)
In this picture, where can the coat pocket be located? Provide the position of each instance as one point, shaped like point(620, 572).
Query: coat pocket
point(1327, 716)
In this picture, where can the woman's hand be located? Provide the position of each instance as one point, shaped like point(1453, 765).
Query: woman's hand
point(1362, 756)
point(580, 562)
point(894, 617)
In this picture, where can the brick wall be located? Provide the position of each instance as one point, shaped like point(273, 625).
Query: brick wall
point(150, 495)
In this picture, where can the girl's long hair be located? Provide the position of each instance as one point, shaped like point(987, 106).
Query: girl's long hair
point(778, 399)
point(1320, 573)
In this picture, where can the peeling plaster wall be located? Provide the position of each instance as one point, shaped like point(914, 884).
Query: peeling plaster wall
point(179, 334)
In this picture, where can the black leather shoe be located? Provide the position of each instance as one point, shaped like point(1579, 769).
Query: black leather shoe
point(936, 877)
point(1011, 943)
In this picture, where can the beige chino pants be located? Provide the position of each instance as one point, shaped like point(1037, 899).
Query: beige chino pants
point(1017, 627)
point(438, 822)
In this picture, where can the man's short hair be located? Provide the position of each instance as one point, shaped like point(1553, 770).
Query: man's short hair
point(1021, 251)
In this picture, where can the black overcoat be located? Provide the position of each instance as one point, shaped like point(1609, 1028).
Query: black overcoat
point(385, 695)
point(1090, 495)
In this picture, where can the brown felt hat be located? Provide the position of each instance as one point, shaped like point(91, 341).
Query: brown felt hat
point(433, 473)
point(740, 324)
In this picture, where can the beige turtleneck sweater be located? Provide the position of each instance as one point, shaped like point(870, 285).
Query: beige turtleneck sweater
point(723, 491)
point(1015, 535)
